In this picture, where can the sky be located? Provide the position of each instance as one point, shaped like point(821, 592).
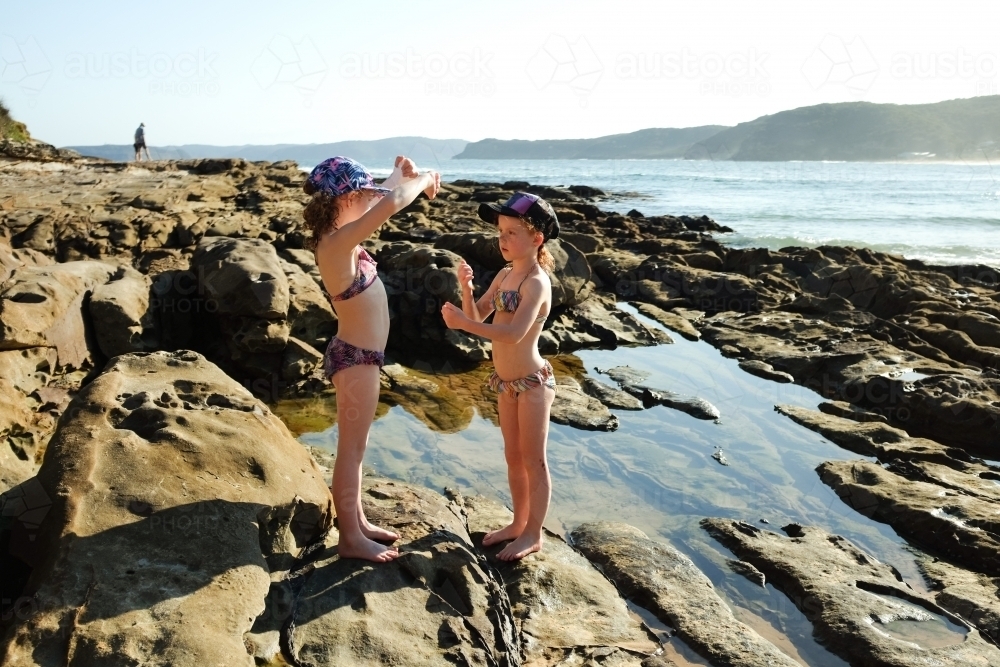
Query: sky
point(232, 73)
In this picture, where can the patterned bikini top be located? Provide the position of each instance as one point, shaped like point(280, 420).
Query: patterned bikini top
point(507, 301)
point(365, 277)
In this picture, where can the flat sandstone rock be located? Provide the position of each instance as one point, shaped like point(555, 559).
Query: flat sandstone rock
point(958, 526)
point(566, 610)
point(855, 603)
point(666, 582)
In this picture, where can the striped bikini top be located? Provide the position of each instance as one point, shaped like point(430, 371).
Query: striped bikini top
point(507, 301)
point(363, 280)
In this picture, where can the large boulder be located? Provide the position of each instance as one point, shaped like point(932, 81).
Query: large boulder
point(175, 494)
point(120, 312)
point(418, 281)
point(43, 306)
point(438, 604)
point(442, 602)
point(310, 315)
point(242, 285)
point(572, 279)
point(242, 277)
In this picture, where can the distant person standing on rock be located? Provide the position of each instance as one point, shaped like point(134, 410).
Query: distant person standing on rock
point(346, 208)
point(140, 142)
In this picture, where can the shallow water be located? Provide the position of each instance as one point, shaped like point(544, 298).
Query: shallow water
point(655, 472)
point(905, 375)
point(926, 634)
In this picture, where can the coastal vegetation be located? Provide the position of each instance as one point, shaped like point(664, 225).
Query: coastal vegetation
point(10, 128)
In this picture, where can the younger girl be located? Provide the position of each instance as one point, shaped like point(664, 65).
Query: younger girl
point(521, 295)
point(345, 209)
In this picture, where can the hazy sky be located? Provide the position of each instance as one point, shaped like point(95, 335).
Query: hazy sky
point(269, 72)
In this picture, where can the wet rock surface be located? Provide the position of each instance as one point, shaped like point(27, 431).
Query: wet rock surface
point(971, 595)
point(872, 438)
point(574, 407)
point(611, 397)
point(953, 523)
point(631, 381)
point(765, 370)
point(671, 320)
point(859, 607)
point(668, 584)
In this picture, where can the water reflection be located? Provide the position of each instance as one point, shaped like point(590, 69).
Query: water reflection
point(656, 472)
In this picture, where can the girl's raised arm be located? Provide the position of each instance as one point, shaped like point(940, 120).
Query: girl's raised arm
point(481, 309)
point(402, 196)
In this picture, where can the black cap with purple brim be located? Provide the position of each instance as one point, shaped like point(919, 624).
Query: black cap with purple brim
point(531, 207)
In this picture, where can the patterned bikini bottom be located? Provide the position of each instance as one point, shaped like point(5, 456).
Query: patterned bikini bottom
point(542, 377)
point(340, 355)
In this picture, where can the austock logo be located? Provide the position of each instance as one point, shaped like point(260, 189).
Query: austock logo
point(24, 64)
point(838, 62)
point(283, 62)
point(560, 62)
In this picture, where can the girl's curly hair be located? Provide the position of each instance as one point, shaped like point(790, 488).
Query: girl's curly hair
point(545, 259)
point(320, 214)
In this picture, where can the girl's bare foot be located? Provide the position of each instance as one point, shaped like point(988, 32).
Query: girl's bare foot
point(506, 533)
point(366, 549)
point(521, 547)
point(373, 532)
point(378, 534)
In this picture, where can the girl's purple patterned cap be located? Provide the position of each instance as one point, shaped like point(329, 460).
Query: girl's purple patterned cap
point(528, 206)
point(340, 175)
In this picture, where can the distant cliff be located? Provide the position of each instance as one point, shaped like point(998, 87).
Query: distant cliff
point(651, 143)
point(966, 129)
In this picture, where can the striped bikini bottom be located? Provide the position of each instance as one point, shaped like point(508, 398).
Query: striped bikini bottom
point(340, 355)
point(542, 377)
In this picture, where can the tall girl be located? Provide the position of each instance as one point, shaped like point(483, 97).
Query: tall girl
point(521, 296)
point(346, 208)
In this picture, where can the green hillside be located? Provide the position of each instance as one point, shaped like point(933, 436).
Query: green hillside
point(966, 129)
point(10, 128)
point(651, 143)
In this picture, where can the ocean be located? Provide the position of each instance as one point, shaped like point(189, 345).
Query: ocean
point(939, 213)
